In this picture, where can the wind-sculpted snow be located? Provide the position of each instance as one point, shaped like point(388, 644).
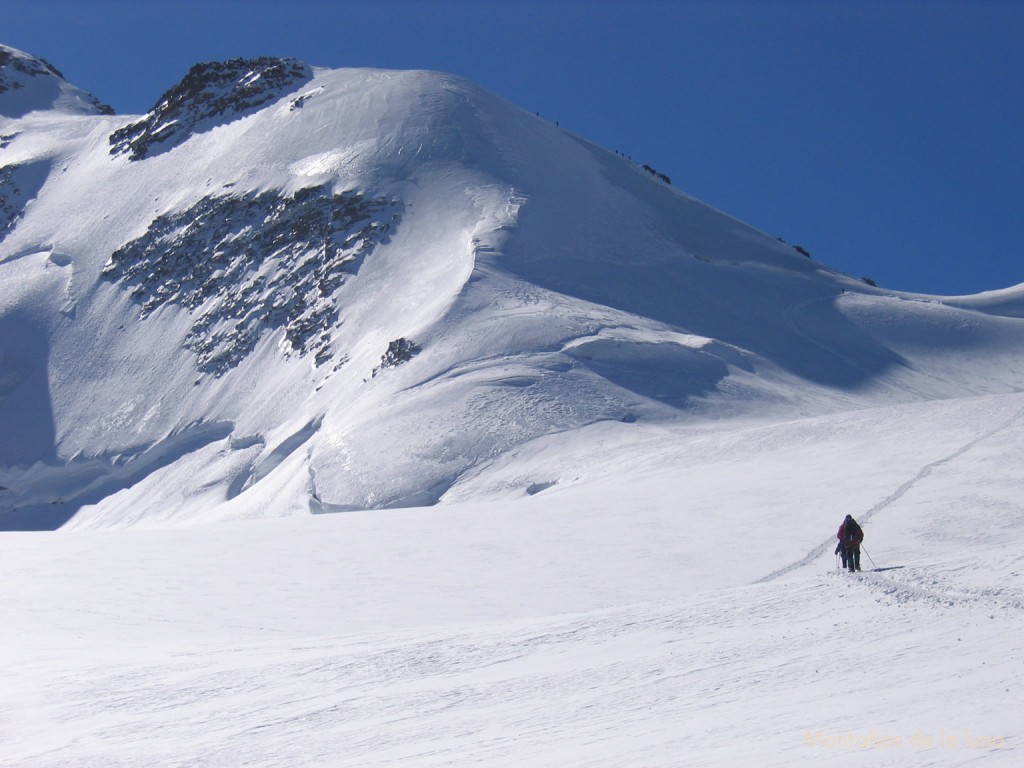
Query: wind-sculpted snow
point(50, 493)
point(211, 94)
point(248, 264)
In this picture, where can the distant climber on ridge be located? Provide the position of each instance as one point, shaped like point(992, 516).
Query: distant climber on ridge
point(850, 536)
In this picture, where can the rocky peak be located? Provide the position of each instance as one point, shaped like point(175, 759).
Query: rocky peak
point(28, 84)
point(13, 62)
point(211, 94)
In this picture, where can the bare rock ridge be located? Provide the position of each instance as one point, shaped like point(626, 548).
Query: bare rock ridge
point(210, 94)
point(19, 183)
point(247, 264)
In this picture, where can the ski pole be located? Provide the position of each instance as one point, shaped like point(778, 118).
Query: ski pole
point(869, 556)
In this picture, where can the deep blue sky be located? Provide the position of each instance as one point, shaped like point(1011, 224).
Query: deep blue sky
point(884, 137)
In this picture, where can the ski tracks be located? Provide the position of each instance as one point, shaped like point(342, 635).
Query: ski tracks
point(895, 496)
point(923, 586)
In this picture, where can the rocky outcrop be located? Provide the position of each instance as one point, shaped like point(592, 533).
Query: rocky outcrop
point(244, 265)
point(399, 351)
point(15, 68)
point(18, 185)
point(211, 94)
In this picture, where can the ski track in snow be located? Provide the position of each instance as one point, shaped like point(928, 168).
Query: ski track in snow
point(892, 498)
point(936, 589)
point(149, 671)
point(596, 597)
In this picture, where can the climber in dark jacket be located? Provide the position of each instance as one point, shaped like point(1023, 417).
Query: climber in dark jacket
point(841, 551)
point(850, 536)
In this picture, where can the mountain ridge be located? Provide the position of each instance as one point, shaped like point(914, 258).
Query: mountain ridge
point(29, 84)
point(239, 288)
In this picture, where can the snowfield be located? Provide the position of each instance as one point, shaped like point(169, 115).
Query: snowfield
point(664, 615)
point(360, 418)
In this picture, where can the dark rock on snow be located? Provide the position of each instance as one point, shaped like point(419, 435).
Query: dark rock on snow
point(211, 94)
point(249, 264)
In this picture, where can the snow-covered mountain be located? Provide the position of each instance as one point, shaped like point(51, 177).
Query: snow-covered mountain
point(367, 288)
point(626, 425)
point(29, 84)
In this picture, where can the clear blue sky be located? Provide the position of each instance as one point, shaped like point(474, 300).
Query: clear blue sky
point(884, 137)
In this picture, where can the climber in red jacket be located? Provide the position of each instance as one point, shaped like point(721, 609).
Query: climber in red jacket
point(850, 536)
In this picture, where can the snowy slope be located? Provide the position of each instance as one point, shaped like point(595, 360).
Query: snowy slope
point(635, 621)
point(591, 440)
point(174, 340)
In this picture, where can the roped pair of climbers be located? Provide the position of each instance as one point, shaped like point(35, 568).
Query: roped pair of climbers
point(850, 536)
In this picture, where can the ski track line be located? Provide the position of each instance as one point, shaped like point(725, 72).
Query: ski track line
point(915, 585)
point(896, 495)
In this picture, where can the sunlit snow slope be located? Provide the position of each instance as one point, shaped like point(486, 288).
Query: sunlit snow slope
point(287, 290)
point(625, 427)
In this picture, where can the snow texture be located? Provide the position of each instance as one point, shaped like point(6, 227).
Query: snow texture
point(385, 423)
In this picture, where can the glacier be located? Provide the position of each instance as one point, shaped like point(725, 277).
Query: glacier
point(359, 417)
